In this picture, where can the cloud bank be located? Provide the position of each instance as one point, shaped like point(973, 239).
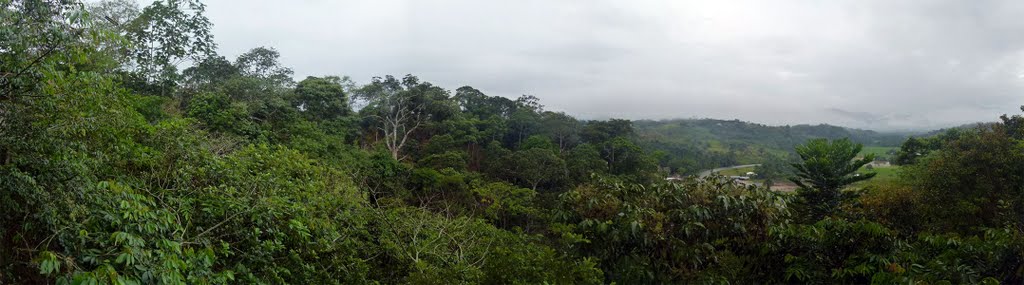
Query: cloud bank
point(885, 65)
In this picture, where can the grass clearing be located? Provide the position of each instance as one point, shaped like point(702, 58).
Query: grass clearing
point(878, 151)
point(884, 175)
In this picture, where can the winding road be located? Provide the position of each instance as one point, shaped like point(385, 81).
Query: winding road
point(706, 173)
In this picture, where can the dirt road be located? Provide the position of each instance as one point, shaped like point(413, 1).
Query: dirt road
point(706, 173)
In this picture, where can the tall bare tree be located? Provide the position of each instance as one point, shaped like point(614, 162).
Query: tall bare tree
point(398, 108)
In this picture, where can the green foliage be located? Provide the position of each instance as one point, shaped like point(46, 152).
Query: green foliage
point(775, 168)
point(827, 167)
point(290, 209)
point(128, 237)
point(436, 250)
point(538, 142)
point(562, 129)
point(1013, 125)
point(695, 230)
point(210, 70)
point(322, 98)
point(993, 257)
point(583, 162)
point(116, 169)
point(166, 33)
point(914, 148)
point(883, 174)
point(699, 144)
point(397, 109)
point(263, 63)
point(975, 180)
point(836, 251)
point(448, 159)
point(897, 206)
point(882, 153)
point(218, 113)
point(505, 204)
point(536, 165)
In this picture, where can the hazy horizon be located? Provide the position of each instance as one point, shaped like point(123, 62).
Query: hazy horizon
point(910, 131)
point(878, 65)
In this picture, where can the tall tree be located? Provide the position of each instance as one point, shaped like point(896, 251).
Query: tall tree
point(599, 132)
point(535, 166)
point(827, 167)
point(561, 128)
point(322, 98)
point(1014, 125)
point(481, 106)
point(35, 34)
point(398, 108)
point(208, 71)
point(264, 63)
point(165, 34)
point(910, 151)
point(115, 16)
point(525, 119)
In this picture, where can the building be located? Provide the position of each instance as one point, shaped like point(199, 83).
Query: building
point(877, 163)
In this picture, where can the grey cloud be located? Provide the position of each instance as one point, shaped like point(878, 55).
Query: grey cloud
point(869, 64)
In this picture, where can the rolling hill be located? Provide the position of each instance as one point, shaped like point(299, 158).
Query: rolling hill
point(688, 145)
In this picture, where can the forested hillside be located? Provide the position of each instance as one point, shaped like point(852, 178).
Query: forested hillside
point(698, 144)
point(132, 153)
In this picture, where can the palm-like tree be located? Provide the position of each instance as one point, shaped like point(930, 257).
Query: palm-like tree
point(827, 167)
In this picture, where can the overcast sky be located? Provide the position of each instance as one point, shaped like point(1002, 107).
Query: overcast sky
point(884, 65)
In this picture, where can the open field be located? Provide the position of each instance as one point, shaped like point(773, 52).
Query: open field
point(885, 175)
point(878, 151)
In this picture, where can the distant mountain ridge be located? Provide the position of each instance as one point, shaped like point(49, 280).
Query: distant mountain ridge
point(942, 130)
point(689, 144)
point(780, 135)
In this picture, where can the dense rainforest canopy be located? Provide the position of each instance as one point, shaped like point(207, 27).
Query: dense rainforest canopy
point(132, 153)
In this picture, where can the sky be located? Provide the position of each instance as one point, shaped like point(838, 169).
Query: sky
point(882, 65)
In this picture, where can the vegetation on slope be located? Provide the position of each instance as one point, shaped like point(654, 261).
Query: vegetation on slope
point(695, 145)
point(117, 168)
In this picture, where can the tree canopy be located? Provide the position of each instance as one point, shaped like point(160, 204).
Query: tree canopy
point(118, 166)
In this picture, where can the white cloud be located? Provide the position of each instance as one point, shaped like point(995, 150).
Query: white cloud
point(899, 64)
